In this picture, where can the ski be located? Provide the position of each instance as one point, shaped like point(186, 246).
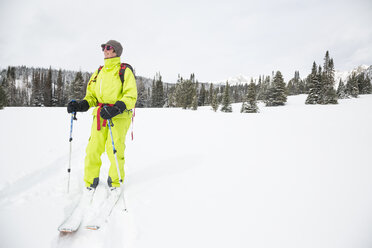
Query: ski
point(73, 221)
point(105, 211)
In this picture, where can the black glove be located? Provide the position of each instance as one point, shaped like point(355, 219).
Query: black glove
point(75, 106)
point(108, 112)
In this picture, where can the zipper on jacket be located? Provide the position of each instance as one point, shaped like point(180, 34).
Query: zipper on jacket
point(100, 87)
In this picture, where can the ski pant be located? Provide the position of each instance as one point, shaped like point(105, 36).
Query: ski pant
point(101, 140)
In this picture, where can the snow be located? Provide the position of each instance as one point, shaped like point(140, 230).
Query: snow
point(344, 75)
point(291, 176)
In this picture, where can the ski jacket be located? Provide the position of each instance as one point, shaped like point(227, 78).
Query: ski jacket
point(107, 88)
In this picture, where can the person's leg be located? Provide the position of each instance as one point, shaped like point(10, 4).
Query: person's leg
point(95, 148)
point(119, 132)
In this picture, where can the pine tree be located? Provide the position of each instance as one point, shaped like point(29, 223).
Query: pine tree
point(157, 92)
point(277, 94)
point(11, 91)
point(36, 96)
point(314, 86)
point(202, 96)
point(172, 97)
point(59, 92)
point(160, 91)
point(190, 90)
point(3, 99)
point(4, 89)
point(153, 93)
point(185, 91)
point(214, 103)
point(367, 89)
point(210, 96)
point(364, 84)
point(295, 85)
point(195, 102)
point(328, 93)
point(220, 91)
point(142, 95)
point(264, 93)
point(250, 105)
point(226, 102)
point(180, 93)
point(360, 79)
point(341, 90)
point(25, 88)
point(290, 88)
point(166, 103)
point(77, 87)
point(352, 88)
point(48, 89)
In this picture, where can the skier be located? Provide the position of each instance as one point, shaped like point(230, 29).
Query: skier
point(113, 96)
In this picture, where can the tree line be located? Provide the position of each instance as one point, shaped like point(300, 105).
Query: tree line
point(271, 90)
point(22, 86)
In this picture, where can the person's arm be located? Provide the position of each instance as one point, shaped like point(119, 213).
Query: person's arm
point(129, 90)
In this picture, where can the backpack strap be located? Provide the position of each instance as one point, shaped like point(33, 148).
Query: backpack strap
point(124, 66)
point(95, 78)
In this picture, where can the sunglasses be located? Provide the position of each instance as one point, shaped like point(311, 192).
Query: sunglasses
point(108, 48)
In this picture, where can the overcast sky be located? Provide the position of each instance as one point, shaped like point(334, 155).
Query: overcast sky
point(214, 39)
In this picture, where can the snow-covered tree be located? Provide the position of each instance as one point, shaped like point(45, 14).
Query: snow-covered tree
point(157, 95)
point(314, 86)
point(195, 102)
point(11, 89)
point(352, 88)
point(48, 89)
point(364, 84)
point(295, 86)
point(60, 90)
point(77, 90)
point(226, 102)
point(367, 89)
point(277, 93)
point(202, 96)
point(328, 93)
point(214, 103)
point(210, 96)
point(142, 95)
point(36, 95)
point(250, 105)
point(185, 91)
point(341, 90)
point(3, 99)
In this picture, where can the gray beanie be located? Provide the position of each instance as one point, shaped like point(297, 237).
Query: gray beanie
point(116, 45)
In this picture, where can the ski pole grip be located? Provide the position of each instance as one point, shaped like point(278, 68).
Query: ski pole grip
point(74, 116)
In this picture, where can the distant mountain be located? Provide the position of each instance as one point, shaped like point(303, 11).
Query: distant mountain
point(343, 75)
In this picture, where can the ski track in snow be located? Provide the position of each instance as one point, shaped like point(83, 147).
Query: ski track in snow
point(290, 176)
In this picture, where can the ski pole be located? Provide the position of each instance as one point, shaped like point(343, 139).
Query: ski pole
point(73, 117)
point(117, 164)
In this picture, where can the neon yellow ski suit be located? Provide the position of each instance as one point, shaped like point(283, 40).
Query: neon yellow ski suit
point(107, 89)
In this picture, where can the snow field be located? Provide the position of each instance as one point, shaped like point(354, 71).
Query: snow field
point(291, 176)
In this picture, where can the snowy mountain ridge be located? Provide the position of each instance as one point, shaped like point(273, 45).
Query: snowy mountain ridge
point(343, 75)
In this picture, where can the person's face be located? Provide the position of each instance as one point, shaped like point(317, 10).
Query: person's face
point(109, 52)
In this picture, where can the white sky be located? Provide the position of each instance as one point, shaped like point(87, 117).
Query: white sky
point(213, 39)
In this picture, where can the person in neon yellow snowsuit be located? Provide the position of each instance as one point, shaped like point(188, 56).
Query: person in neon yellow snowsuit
point(112, 99)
